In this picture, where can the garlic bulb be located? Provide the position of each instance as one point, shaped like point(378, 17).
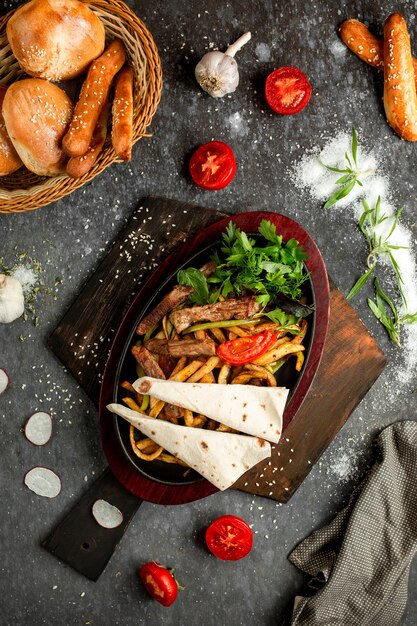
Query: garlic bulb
point(217, 72)
point(12, 302)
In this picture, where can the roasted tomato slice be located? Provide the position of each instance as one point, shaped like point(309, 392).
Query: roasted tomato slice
point(245, 349)
point(287, 90)
point(213, 165)
point(229, 538)
point(159, 583)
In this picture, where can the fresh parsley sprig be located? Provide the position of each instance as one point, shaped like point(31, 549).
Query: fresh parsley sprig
point(350, 174)
point(244, 265)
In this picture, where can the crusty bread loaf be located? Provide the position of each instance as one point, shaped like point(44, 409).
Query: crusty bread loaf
point(9, 159)
point(55, 39)
point(400, 99)
point(37, 114)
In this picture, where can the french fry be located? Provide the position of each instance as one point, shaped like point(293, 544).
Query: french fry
point(179, 366)
point(208, 378)
point(300, 361)
point(131, 404)
point(157, 408)
point(187, 371)
point(218, 334)
point(188, 417)
point(261, 372)
point(278, 353)
point(208, 366)
point(224, 374)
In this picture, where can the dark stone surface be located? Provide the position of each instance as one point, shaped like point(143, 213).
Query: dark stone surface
point(71, 236)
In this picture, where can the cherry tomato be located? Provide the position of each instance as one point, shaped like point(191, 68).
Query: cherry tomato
point(229, 538)
point(213, 165)
point(245, 349)
point(287, 90)
point(159, 583)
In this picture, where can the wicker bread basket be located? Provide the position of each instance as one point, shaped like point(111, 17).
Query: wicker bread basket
point(25, 191)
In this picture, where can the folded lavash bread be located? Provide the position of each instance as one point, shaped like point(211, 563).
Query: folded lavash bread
point(218, 456)
point(257, 411)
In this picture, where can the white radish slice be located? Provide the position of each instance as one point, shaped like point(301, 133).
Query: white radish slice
point(38, 429)
point(4, 381)
point(106, 515)
point(43, 481)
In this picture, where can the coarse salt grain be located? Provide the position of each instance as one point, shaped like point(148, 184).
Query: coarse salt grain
point(26, 276)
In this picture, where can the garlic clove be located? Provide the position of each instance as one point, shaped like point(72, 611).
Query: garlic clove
point(217, 73)
point(12, 302)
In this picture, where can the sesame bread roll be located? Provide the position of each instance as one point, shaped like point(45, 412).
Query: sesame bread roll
point(9, 159)
point(78, 166)
point(400, 99)
point(93, 96)
point(55, 39)
point(37, 114)
point(365, 45)
point(122, 120)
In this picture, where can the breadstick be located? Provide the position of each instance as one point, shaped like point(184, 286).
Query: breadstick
point(400, 99)
point(93, 95)
point(365, 45)
point(78, 166)
point(122, 121)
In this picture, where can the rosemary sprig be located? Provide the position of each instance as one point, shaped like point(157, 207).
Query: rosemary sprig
point(379, 245)
point(389, 315)
point(350, 174)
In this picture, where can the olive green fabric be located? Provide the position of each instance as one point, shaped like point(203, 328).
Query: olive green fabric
point(363, 556)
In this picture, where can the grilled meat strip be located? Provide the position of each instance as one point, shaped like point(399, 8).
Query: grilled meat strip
point(237, 308)
point(151, 368)
point(174, 298)
point(183, 347)
point(148, 362)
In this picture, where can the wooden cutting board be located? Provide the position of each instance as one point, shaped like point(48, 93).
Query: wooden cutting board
point(351, 361)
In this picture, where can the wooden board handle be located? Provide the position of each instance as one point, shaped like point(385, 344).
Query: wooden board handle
point(79, 540)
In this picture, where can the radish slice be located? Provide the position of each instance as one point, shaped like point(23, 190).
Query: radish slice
point(43, 481)
point(4, 381)
point(106, 515)
point(38, 429)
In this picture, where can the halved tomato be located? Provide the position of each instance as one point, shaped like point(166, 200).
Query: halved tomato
point(159, 583)
point(213, 165)
point(229, 538)
point(287, 90)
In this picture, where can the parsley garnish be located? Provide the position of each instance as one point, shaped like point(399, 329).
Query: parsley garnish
point(242, 265)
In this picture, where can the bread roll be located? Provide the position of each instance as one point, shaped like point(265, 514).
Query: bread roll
point(400, 99)
point(37, 114)
point(9, 159)
point(55, 39)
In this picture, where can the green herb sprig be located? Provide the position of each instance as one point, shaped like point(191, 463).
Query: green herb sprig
point(350, 174)
point(379, 246)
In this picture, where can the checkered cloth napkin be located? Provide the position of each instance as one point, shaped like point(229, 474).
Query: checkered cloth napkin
point(363, 556)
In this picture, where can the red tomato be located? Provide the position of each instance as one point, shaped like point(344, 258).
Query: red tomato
point(229, 538)
point(159, 583)
point(245, 349)
point(213, 165)
point(287, 90)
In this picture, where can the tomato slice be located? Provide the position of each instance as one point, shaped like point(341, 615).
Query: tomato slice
point(213, 165)
point(159, 583)
point(287, 90)
point(229, 538)
point(245, 349)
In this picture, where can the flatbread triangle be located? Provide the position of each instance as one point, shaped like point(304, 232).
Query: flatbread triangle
point(220, 457)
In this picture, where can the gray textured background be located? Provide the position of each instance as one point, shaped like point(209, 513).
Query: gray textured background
point(71, 236)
